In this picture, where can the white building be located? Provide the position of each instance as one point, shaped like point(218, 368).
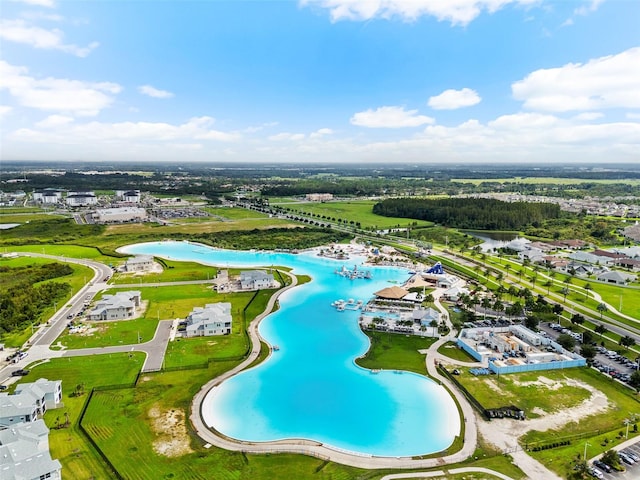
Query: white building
point(81, 199)
point(120, 214)
point(46, 393)
point(619, 278)
point(128, 196)
point(15, 409)
point(140, 263)
point(120, 306)
point(425, 316)
point(212, 319)
point(319, 197)
point(257, 280)
point(48, 196)
point(24, 453)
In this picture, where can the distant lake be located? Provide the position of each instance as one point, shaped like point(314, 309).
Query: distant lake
point(493, 240)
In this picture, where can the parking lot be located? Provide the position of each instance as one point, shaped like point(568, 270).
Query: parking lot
point(608, 362)
point(632, 471)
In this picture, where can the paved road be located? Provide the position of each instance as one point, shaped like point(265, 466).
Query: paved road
point(46, 334)
point(154, 348)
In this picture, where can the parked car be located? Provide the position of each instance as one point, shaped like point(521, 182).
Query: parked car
point(594, 472)
point(19, 373)
point(633, 455)
point(626, 459)
point(602, 466)
point(3, 387)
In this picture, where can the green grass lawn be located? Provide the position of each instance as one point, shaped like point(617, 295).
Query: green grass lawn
point(25, 217)
point(358, 211)
point(524, 390)
point(233, 213)
point(122, 424)
point(451, 350)
point(546, 180)
point(173, 272)
point(79, 459)
point(71, 251)
point(391, 351)
point(164, 303)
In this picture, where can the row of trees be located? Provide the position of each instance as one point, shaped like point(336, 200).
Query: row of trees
point(22, 301)
point(472, 213)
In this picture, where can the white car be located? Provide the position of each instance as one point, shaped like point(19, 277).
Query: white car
point(594, 472)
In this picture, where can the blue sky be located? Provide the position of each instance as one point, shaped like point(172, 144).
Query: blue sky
point(321, 80)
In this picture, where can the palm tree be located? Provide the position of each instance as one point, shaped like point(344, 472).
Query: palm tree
point(587, 287)
point(601, 329)
point(602, 307)
point(551, 276)
point(486, 304)
point(565, 291)
point(536, 269)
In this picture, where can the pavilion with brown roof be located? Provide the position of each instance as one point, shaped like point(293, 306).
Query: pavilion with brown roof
point(391, 293)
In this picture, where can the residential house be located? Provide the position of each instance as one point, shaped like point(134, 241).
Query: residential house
point(24, 453)
point(591, 258)
point(48, 393)
point(454, 293)
point(631, 252)
point(534, 255)
point(15, 409)
point(212, 319)
point(120, 306)
point(139, 263)
point(570, 244)
point(256, 280)
point(630, 263)
point(619, 278)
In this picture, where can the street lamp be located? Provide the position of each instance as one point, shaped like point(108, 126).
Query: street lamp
point(584, 457)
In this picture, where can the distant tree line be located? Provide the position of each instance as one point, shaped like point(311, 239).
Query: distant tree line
point(471, 213)
point(272, 238)
point(22, 301)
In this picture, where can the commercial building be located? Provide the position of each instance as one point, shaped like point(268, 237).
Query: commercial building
point(120, 215)
point(516, 349)
point(128, 196)
point(81, 199)
point(48, 196)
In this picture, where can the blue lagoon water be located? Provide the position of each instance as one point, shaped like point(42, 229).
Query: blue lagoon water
point(311, 388)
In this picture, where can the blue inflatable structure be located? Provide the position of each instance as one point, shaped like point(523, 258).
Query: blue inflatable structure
point(436, 269)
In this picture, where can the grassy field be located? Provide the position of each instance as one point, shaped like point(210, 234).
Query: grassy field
point(79, 459)
point(392, 351)
point(25, 217)
point(452, 351)
point(525, 391)
point(127, 425)
point(358, 211)
point(173, 272)
point(232, 213)
point(163, 303)
point(71, 251)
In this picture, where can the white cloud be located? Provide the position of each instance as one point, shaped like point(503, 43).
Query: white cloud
point(59, 130)
point(57, 94)
point(453, 99)
point(54, 121)
point(286, 136)
point(389, 117)
point(590, 7)
point(154, 92)
point(633, 116)
point(321, 133)
point(21, 32)
point(605, 82)
point(5, 110)
point(457, 12)
point(39, 3)
point(588, 116)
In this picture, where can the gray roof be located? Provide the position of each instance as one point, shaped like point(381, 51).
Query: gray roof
point(40, 387)
point(16, 405)
point(255, 275)
point(618, 276)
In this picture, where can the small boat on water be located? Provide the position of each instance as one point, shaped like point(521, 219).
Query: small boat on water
point(275, 348)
